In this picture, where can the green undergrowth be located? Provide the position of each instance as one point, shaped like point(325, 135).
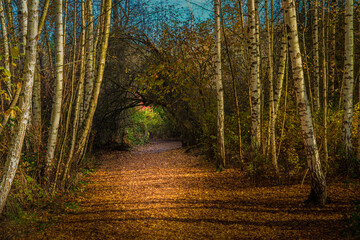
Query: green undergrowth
point(31, 207)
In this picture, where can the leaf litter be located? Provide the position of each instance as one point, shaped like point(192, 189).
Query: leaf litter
point(158, 191)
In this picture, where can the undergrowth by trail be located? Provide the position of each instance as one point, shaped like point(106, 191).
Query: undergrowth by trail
point(160, 192)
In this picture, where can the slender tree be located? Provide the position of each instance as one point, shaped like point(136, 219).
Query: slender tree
point(219, 89)
point(89, 56)
point(5, 44)
point(269, 29)
point(348, 88)
point(99, 77)
point(254, 77)
point(15, 148)
point(56, 109)
point(79, 99)
point(318, 192)
point(316, 57)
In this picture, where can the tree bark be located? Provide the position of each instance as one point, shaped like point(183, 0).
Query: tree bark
point(316, 57)
point(13, 157)
point(79, 99)
point(99, 78)
point(325, 83)
point(348, 89)
point(56, 109)
point(89, 56)
point(254, 78)
point(219, 89)
point(269, 29)
point(6, 53)
point(318, 193)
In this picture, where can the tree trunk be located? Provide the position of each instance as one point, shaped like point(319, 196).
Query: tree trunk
point(325, 84)
point(79, 99)
point(318, 193)
point(89, 57)
point(13, 157)
point(219, 89)
point(71, 101)
point(56, 108)
point(99, 78)
point(306, 64)
point(348, 80)
point(316, 57)
point(254, 78)
point(332, 48)
point(6, 53)
point(269, 29)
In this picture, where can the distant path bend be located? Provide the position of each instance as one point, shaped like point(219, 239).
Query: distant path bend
point(159, 192)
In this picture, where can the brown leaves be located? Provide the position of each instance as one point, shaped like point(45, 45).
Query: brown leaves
point(158, 193)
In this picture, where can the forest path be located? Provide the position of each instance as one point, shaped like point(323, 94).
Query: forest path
point(160, 192)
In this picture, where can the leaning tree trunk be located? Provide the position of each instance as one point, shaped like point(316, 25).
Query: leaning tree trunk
point(348, 88)
point(5, 45)
point(219, 89)
point(99, 78)
point(254, 81)
point(56, 109)
point(318, 193)
point(13, 157)
point(79, 98)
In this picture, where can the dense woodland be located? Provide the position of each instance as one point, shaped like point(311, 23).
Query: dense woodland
point(271, 87)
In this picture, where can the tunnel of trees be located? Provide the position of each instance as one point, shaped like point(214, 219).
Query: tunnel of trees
point(271, 87)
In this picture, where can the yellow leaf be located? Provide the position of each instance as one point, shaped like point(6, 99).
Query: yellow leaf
point(18, 85)
point(10, 112)
point(7, 113)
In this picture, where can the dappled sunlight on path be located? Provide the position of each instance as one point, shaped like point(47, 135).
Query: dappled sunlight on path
point(159, 192)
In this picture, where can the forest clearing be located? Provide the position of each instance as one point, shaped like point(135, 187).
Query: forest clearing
point(260, 97)
point(160, 192)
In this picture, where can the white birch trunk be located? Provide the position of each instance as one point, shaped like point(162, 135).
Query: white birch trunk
point(348, 88)
point(56, 109)
point(318, 193)
point(254, 78)
point(269, 30)
point(79, 100)
point(219, 89)
point(24, 23)
point(99, 78)
point(15, 148)
point(89, 57)
point(316, 57)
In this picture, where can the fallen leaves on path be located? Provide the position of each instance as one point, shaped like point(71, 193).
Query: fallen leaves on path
point(159, 192)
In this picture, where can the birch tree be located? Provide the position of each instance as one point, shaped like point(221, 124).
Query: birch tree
point(348, 89)
point(269, 29)
point(56, 109)
point(79, 98)
point(254, 78)
point(13, 157)
point(318, 192)
point(99, 77)
point(219, 89)
point(316, 57)
point(89, 56)
point(5, 44)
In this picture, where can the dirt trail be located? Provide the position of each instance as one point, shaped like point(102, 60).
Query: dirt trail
point(159, 192)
